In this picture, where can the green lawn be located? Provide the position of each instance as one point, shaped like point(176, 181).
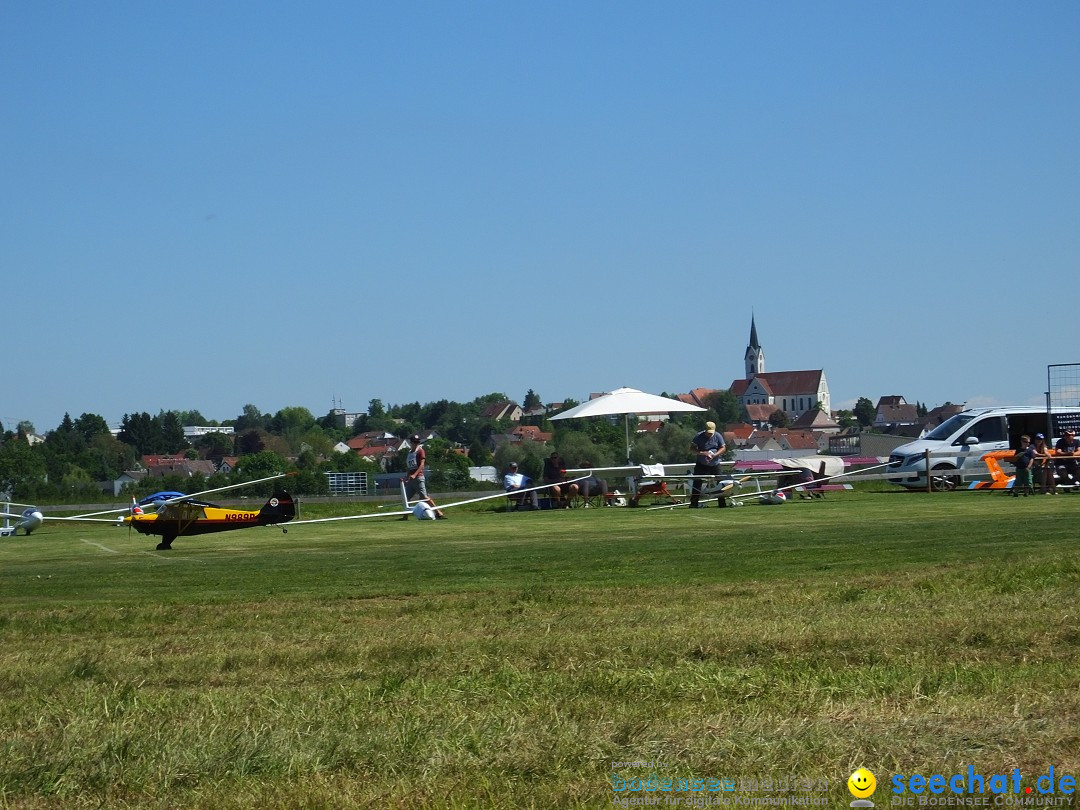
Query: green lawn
point(519, 660)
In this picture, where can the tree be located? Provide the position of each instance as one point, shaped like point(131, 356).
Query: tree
point(215, 446)
point(192, 418)
point(532, 400)
point(778, 418)
point(725, 404)
point(22, 471)
point(865, 412)
point(251, 418)
point(291, 422)
point(260, 465)
point(250, 442)
point(142, 432)
point(90, 425)
point(846, 419)
point(172, 432)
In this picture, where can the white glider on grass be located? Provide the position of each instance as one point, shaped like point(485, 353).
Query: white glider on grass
point(424, 511)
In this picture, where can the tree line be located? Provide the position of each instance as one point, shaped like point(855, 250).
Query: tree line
point(78, 456)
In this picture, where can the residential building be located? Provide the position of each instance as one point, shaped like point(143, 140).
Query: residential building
point(793, 392)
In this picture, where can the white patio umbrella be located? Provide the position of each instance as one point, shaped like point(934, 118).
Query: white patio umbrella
point(626, 401)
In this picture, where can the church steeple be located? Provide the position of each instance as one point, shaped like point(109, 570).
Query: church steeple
point(755, 356)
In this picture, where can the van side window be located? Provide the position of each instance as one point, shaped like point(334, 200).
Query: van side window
point(987, 430)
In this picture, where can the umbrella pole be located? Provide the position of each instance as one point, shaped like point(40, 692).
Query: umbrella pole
point(626, 422)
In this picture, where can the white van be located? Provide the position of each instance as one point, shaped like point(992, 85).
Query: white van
point(958, 443)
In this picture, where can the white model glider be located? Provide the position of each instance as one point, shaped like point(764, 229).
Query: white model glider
point(423, 511)
point(28, 519)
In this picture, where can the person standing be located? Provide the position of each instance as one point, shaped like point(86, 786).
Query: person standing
point(708, 447)
point(1023, 460)
point(1044, 466)
point(415, 485)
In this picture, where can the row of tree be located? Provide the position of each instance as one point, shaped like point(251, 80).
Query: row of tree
point(80, 455)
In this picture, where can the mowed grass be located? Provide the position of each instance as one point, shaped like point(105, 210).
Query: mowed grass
point(513, 660)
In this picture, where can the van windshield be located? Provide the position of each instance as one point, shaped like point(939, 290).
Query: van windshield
point(949, 426)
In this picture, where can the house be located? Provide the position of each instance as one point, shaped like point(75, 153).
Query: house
point(799, 440)
point(185, 468)
point(503, 410)
point(530, 433)
point(793, 392)
point(818, 421)
point(696, 396)
point(762, 441)
point(759, 414)
point(344, 420)
point(894, 410)
point(383, 455)
point(379, 440)
point(127, 478)
point(740, 433)
point(935, 416)
point(157, 460)
point(649, 426)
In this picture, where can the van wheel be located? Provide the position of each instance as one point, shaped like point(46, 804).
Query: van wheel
point(940, 481)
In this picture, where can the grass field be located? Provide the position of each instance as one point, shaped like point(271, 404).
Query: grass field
point(521, 660)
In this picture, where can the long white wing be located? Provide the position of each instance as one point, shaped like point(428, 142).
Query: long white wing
point(224, 489)
point(443, 506)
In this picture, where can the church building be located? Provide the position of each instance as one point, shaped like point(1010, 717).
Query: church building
point(797, 393)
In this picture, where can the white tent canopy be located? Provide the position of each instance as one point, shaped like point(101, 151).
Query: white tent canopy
point(626, 401)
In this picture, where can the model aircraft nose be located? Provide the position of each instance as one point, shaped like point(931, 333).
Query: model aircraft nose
point(32, 519)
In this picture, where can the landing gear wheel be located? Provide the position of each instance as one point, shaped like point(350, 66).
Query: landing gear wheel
point(166, 543)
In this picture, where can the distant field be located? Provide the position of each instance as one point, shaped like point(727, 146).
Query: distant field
point(522, 660)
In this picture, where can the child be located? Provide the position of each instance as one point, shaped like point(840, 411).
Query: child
point(1023, 460)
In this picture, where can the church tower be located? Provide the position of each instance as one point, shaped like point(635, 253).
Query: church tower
point(755, 356)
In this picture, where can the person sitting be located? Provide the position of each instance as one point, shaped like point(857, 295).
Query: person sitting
point(513, 481)
point(555, 475)
point(1067, 450)
point(591, 486)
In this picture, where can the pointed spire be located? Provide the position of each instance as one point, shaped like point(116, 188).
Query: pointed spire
point(753, 334)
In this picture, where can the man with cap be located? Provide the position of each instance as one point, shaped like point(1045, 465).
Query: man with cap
point(708, 448)
point(513, 481)
point(1067, 449)
point(415, 485)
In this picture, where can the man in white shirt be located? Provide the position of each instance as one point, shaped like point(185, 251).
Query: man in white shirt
point(514, 480)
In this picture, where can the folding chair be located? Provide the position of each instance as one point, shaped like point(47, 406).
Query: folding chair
point(651, 482)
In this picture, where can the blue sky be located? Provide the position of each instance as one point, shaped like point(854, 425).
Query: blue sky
point(214, 204)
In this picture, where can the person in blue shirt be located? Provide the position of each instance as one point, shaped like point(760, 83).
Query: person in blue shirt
point(708, 447)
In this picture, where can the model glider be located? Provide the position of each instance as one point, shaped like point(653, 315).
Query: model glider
point(29, 519)
point(781, 494)
point(423, 511)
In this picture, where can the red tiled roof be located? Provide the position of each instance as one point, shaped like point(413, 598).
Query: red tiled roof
point(782, 383)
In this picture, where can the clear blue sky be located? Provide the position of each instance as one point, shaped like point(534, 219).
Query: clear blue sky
point(212, 204)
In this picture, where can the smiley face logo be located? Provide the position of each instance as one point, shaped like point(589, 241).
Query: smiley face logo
point(861, 783)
